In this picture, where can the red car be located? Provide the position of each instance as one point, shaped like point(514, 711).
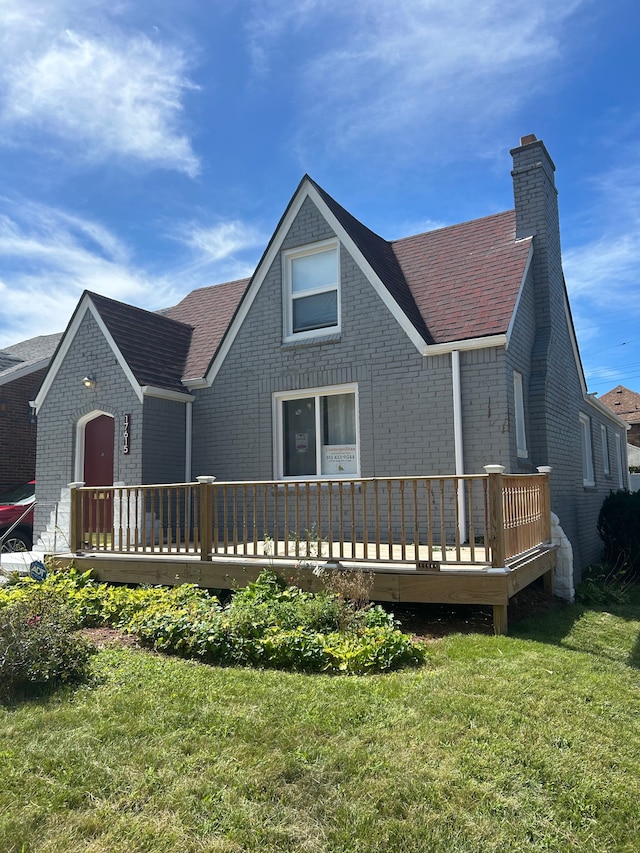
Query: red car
point(12, 505)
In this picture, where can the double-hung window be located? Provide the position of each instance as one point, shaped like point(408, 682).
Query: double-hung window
point(316, 433)
point(311, 295)
point(605, 450)
point(588, 478)
point(521, 433)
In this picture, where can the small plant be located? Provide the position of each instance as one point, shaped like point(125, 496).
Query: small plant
point(39, 646)
point(604, 584)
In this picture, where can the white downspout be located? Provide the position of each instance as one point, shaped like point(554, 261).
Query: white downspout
point(457, 439)
point(188, 423)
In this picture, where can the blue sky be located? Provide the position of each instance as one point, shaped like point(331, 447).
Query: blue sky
point(150, 148)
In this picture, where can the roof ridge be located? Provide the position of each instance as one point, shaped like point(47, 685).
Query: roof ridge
point(456, 225)
point(127, 306)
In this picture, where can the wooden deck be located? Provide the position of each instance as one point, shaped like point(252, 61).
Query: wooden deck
point(465, 540)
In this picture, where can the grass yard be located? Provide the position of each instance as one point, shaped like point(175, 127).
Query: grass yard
point(529, 742)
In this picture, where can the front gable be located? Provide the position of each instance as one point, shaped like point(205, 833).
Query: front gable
point(149, 348)
point(84, 310)
point(309, 221)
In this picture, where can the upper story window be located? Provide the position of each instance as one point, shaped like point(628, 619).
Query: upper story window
point(521, 433)
point(588, 478)
point(605, 450)
point(311, 279)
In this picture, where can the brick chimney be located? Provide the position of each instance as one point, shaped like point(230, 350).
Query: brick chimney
point(536, 204)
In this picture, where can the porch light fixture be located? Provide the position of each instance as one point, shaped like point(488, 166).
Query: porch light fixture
point(90, 382)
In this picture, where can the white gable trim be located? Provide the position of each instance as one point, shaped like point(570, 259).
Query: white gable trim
point(307, 190)
point(520, 291)
point(86, 307)
point(18, 372)
point(588, 398)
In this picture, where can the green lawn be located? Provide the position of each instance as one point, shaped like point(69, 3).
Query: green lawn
point(523, 743)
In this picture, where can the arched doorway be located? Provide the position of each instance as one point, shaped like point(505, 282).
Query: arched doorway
point(98, 451)
point(94, 465)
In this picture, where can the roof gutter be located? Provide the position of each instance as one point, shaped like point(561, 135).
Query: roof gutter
point(457, 438)
point(165, 394)
point(465, 345)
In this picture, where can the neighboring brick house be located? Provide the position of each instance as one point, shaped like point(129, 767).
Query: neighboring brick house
point(626, 405)
point(22, 369)
point(435, 354)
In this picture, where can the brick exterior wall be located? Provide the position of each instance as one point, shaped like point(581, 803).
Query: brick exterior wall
point(67, 402)
point(163, 441)
point(554, 396)
point(405, 400)
point(17, 434)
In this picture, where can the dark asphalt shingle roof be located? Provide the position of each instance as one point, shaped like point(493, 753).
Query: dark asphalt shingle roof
point(210, 311)
point(34, 351)
point(624, 403)
point(455, 283)
point(155, 347)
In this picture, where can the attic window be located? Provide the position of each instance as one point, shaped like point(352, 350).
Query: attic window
point(311, 291)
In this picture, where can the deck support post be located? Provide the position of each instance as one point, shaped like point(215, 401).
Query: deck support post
point(546, 501)
point(500, 620)
point(75, 532)
point(496, 515)
point(206, 493)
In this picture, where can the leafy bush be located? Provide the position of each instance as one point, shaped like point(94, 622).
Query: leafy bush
point(38, 646)
point(619, 529)
point(265, 624)
point(269, 624)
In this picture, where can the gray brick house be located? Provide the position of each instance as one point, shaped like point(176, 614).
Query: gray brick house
point(346, 355)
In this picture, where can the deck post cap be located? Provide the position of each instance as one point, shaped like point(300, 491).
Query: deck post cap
point(494, 469)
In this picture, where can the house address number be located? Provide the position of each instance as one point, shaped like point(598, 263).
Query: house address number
point(125, 433)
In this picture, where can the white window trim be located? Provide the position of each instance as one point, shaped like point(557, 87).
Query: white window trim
point(521, 431)
point(606, 466)
point(287, 297)
point(619, 461)
point(324, 391)
point(586, 450)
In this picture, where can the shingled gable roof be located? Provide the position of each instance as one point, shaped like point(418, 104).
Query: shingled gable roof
point(624, 403)
point(465, 279)
point(379, 254)
point(154, 346)
point(209, 311)
point(27, 356)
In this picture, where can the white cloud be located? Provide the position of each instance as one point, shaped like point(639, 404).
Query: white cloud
point(48, 258)
point(409, 64)
point(221, 241)
point(109, 94)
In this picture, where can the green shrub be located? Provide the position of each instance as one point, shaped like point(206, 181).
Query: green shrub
point(39, 646)
point(619, 529)
point(266, 624)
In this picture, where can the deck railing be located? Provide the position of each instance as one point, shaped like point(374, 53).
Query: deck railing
point(482, 519)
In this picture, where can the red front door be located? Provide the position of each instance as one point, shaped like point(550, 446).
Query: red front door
point(98, 471)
